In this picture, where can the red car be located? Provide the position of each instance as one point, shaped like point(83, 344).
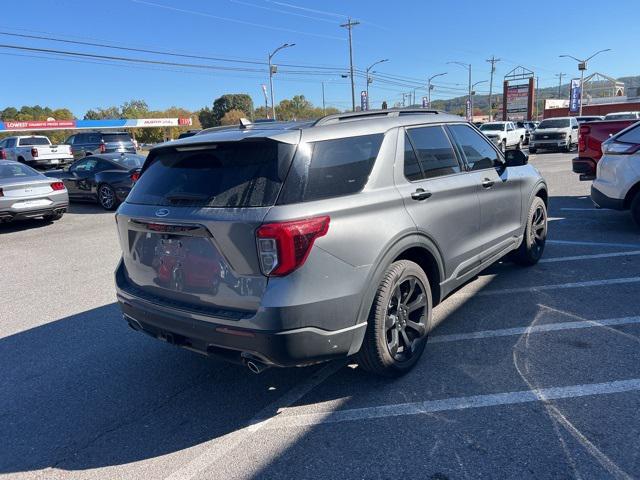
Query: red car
point(592, 134)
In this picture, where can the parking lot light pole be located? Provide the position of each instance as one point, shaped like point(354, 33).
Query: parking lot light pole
point(368, 69)
point(473, 92)
point(582, 66)
point(468, 67)
point(430, 87)
point(272, 70)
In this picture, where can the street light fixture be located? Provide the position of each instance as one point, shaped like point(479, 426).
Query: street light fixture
point(430, 87)
point(273, 69)
point(582, 66)
point(468, 67)
point(473, 92)
point(368, 69)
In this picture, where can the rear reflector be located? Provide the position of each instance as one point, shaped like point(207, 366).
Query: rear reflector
point(57, 186)
point(135, 176)
point(34, 152)
point(284, 247)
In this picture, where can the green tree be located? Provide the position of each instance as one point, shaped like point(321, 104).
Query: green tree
point(205, 116)
point(232, 117)
point(230, 101)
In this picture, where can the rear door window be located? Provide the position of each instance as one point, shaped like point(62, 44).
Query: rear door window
point(331, 168)
point(434, 152)
point(229, 175)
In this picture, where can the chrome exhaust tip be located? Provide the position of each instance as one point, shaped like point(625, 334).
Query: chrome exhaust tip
point(256, 366)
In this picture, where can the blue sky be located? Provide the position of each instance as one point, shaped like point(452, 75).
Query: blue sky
point(418, 38)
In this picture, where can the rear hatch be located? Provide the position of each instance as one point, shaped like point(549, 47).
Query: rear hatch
point(118, 142)
point(187, 229)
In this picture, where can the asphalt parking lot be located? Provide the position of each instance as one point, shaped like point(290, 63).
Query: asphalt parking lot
point(530, 373)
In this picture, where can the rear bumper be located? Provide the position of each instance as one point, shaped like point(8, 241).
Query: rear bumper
point(602, 200)
point(233, 338)
point(49, 162)
point(547, 144)
point(10, 215)
point(585, 167)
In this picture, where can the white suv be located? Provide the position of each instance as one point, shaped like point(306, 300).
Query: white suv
point(617, 183)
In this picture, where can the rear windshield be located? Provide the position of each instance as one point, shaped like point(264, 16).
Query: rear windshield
point(34, 141)
point(130, 161)
point(554, 123)
point(116, 137)
point(331, 168)
point(492, 126)
point(621, 116)
point(234, 174)
point(630, 136)
point(17, 171)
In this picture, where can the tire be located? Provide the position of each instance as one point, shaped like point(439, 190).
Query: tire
point(569, 145)
point(533, 149)
point(396, 337)
point(635, 209)
point(107, 196)
point(53, 217)
point(535, 235)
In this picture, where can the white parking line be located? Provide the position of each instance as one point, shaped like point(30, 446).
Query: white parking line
point(550, 327)
point(594, 244)
point(588, 257)
point(560, 286)
point(216, 449)
point(457, 403)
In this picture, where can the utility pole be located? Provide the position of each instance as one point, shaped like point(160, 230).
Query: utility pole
point(560, 75)
point(537, 99)
point(273, 69)
point(324, 110)
point(349, 26)
point(493, 60)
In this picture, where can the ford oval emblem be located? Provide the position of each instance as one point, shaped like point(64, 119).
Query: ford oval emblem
point(162, 212)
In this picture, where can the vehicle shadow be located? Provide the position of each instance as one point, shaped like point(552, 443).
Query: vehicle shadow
point(87, 392)
point(22, 225)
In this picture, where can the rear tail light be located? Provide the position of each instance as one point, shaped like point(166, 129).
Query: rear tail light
point(3, 155)
point(619, 148)
point(57, 186)
point(34, 152)
point(284, 247)
point(582, 142)
point(135, 176)
point(1, 193)
point(103, 148)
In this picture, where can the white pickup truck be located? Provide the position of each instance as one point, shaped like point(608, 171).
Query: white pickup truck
point(36, 151)
point(504, 134)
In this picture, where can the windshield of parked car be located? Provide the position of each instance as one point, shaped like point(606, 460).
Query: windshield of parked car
point(34, 141)
point(492, 126)
point(130, 161)
point(554, 123)
point(16, 171)
point(621, 116)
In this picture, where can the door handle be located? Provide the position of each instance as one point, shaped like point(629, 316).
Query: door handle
point(420, 194)
point(486, 183)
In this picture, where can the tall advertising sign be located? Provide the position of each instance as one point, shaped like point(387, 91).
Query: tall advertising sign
point(517, 101)
point(364, 101)
point(575, 97)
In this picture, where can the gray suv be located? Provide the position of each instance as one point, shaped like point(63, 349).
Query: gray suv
point(288, 244)
point(84, 144)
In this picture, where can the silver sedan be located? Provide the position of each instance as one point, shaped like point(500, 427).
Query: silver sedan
point(26, 193)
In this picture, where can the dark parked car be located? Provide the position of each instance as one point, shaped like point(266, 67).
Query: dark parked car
point(106, 178)
point(84, 144)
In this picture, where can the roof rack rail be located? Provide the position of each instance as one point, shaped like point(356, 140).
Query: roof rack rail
point(392, 112)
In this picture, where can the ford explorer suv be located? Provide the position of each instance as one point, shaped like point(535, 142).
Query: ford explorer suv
point(91, 143)
point(617, 183)
point(504, 134)
point(37, 151)
point(555, 134)
point(288, 244)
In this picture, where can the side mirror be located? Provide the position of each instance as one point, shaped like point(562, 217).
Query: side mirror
point(575, 127)
point(515, 158)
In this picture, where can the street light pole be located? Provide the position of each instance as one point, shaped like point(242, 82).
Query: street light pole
point(349, 26)
point(272, 70)
point(368, 69)
point(470, 101)
point(493, 60)
point(430, 87)
point(582, 66)
point(473, 92)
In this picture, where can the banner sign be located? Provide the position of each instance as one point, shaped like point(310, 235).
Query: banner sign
point(468, 110)
point(364, 101)
point(575, 97)
point(14, 126)
point(517, 99)
point(425, 102)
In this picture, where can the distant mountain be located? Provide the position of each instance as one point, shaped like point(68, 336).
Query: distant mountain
point(481, 102)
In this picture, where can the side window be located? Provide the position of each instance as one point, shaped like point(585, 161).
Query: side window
point(103, 165)
point(69, 140)
point(477, 150)
point(434, 152)
point(2, 143)
point(86, 165)
point(412, 170)
point(11, 142)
